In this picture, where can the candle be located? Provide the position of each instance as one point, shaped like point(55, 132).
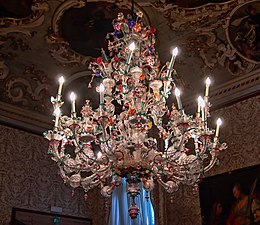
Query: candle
point(57, 116)
point(101, 96)
point(131, 48)
point(202, 106)
point(207, 87)
point(61, 81)
point(219, 122)
point(199, 103)
point(166, 144)
point(73, 104)
point(177, 94)
point(101, 91)
point(174, 54)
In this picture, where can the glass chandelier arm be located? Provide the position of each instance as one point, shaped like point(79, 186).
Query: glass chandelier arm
point(102, 172)
point(179, 178)
point(211, 163)
point(105, 148)
point(90, 182)
point(170, 186)
point(180, 175)
point(107, 191)
point(214, 155)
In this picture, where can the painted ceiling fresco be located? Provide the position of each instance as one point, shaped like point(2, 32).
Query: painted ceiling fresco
point(41, 39)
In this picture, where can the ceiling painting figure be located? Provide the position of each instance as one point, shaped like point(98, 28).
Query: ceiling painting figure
point(243, 31)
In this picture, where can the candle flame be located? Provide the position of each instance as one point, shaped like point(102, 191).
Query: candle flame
point(177, 92)
point(101, 88)
point(208, 81)
point(219, 122)
point(132, 46)
point(72, 96)
point(61, 80)
point(175, 51)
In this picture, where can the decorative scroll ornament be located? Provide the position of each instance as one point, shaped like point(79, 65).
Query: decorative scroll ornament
point(145, 141)
point(35, 19)
point(24, 25)
point(28, 91)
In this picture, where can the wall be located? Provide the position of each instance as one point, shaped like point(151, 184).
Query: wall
point(241, 132)
point(29, 179)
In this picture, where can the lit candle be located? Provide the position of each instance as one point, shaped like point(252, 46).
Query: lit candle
point(166, 144)
point(202, 106)
point(73, 104)
point(57, 116)
point(199, 101)
point(131, 48)
point(61, 81)
point(101, 95)
point(219, 122)
point(207, 87)
point(101, 91)
point(174, 54)
point(177, 94)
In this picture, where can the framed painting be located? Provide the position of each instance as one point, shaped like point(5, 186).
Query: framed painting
point(218, 196)
point(30, 217)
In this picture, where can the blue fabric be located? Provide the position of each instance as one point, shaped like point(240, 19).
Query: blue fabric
point(121, 202)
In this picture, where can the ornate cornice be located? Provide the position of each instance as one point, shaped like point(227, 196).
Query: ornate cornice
point(231, 92)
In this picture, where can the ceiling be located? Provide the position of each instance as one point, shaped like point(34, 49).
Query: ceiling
point(41, 39)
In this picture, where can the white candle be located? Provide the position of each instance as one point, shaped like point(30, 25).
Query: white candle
point(219, 122)
point(101, 96)
point(166, 144)
point(73, 104)
point(199, 103)
point(101, 91)
point(202, 106)
point(57, 116)
point(207, 87)
point(131, 48)
point(61, 81)
point(177, 94)
point(174, 54)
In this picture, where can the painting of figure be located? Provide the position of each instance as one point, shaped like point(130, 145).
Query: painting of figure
point(244, 31)
point(232, 198)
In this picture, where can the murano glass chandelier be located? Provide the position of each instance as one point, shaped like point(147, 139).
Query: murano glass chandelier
point(146, 141)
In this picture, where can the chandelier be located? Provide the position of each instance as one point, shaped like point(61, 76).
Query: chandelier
point(146, 141)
